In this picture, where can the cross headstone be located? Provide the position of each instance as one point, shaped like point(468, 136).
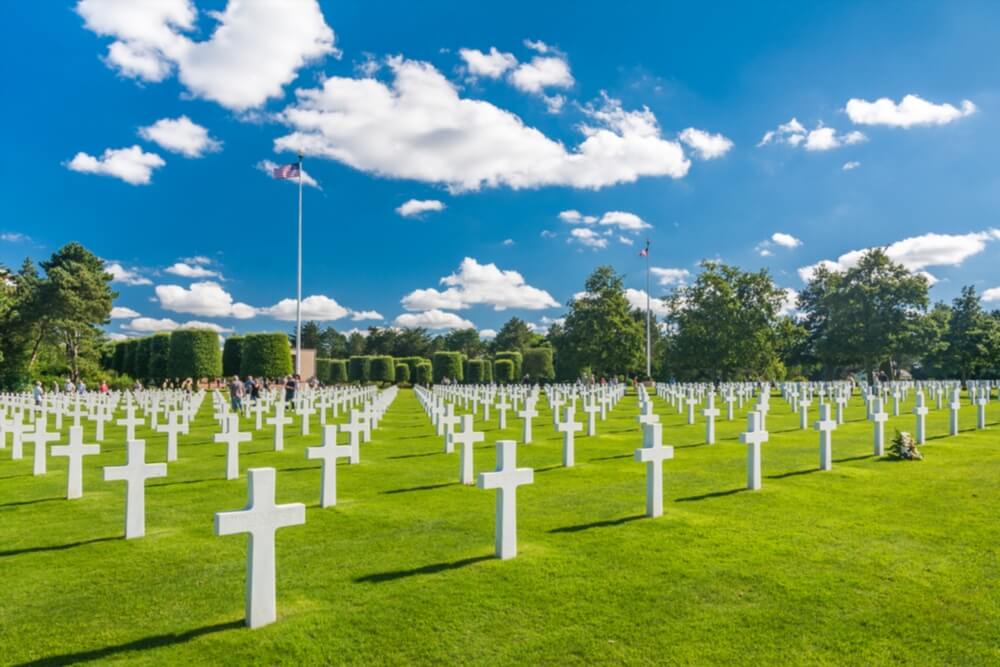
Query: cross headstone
point(879, 418)
point(825, 426)
point(232, 437)
point(279, 421)
point(591, 408)
point(920, 411)
point(710, 413)
point(354, 427)
point(172, 428)
point(954, 407)
point(527, 414)
point(130, 421)
point(135, 473)
point(74, 452)
point(466, 439)
point(328, 453)
point(261, 518)
point(569, 428)
point(41, 436)
point(506, 479)
point(653, 453)
point(981, 403)
point(753, 438)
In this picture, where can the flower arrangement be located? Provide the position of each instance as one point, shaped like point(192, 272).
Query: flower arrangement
point(904, 448)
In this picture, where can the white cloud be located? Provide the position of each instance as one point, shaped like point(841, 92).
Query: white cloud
point(629, 222)
point(254, 51)
point(150, 325)
point(588, 237)
point(268, 167)
point(537, 45)
point(418, 127)
point(667, 276)
point(317, 307)
point(541, 73)
point(637, 299)
point(822, 138)
point(574, 217)
point(508, 242)
point(415, 207)
point(14, 237)
point(548, 234)
point(785, 240)
point(359, 315)
point(917, 253)
point(707, 146)
point(433, 319)
point(119, 274)
point(789, 305)
point(491, 65)
point(992, 294)
point(624, 240)
point(121, 313)
point(911, 111)
point(487, 334)
point(853, 164)
point(191, 271)
point(195, 324)
point(131, 165)
point(180, 135)
point(197, 259)
point(115, 336)
point(202, 298)
point(480, 284)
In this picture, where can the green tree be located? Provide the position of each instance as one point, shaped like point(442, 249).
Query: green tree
point(195, 354)
point(355, 344)
point(232, 356)
point(515, 334)
point(971, 338)
point(466, 341)
point(265, 355)
point(538, 364)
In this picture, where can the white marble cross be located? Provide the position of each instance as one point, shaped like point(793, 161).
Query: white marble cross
point(279, 421)
point(232, 437)
point(17, 428)
point(981, 403)
point(710, 413)
point(135, 473)
point(74, 452)
point(804, 413)
point(329, 453)
point(506, 479)
point(921, 414)
point(466, 439)
point(591, 408)
point(261, 518)
point(130, 421)
point(527, 414)
point(447, 422)
point(502, 407)
point(172, 428)
point(954, 406)
point(569, 428)
point(879, 418)
point(752, 438)
point(653, 453)
point(825, 426)
point(354, 428)
point(41, 436)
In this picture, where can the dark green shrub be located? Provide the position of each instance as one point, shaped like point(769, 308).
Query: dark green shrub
point(159, 357)
point(402, 374)
point(232, 356)
point(515, 357)
point(447, 365)
point(503, 370)
point(487, 371)
point(412, 363)
point(538, 364)
point(323, 370)
point(194, 353)
point(474, 372)
point(118, 360)
point(359, 368)
point(141, 363)
point(382, 369)
point(338, 371)
point(265, 355)
point(425, 373)
point(131, 346)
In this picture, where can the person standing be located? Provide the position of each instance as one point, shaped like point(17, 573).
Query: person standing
point(291, 384)
point(38, 392)
point(236, 394)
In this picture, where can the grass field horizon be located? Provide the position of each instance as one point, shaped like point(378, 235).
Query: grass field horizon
point(874, 562)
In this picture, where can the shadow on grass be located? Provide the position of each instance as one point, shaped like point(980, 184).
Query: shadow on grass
point(610, 523)
point(24, 474)
point(19, 503)
point(610, 458)
point(412, 456)
point(156, 641)
point(794, 473)
point(381, 577)
point(706, 496)
point(428, 487)
point(186, 481)
point(548, 468)
point(57, 547)
point(854, 458)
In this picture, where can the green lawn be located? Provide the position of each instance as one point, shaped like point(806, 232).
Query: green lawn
point(875, 562)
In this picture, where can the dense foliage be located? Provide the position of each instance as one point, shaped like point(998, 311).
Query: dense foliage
point(265, 355)
point(195, 354)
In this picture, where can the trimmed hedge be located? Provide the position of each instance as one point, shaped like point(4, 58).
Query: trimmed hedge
point(194, 353)
point(359, 368)
point(265, 355)
point(487, 371)
point(142, 350)
point(232, 356)
point(425, 373)
point(412, 363)
point(447, 365)
point(131, 349)
point(515, 357)
point(538, 364)
point(382, 369)
point(159, 357)
point(338, 371)
point(504, 370)
point(323, 370)
point(402, 373)
point(118, 360)
point(474, 371)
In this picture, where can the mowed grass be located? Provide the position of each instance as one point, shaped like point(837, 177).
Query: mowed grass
point(875, 562)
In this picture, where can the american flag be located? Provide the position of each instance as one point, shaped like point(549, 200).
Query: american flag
point(645, 251)
point(286, 171)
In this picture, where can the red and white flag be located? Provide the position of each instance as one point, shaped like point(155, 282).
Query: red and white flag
point(286, 171)
point(645, 251)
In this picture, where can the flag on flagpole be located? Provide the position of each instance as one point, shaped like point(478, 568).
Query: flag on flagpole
point(645, 251)
point(285, 171)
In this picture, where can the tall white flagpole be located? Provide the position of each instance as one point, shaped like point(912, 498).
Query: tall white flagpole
point(649, 373)
point(298, 290)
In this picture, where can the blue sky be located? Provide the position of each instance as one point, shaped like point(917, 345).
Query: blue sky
point(648, 120)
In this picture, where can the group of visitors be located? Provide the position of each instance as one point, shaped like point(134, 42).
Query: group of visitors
point(251, 388)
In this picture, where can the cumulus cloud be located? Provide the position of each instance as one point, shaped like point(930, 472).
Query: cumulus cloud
point(487, 334)
point(316, 307)
point(418, 127)
point(992, 294)
point(480, 284)
point(255, 49)
point(917, 253)
point(705, 145)
point(789, 305)
point(624, 240)
point(574, 217)
point(637, 299)
point(119, 274)
point(588, 237)
point(433, 319)
point(541, 73)
point(548, 234)
point(132, 165)
point(14, 237)
point(911, 111)
point(206, 298)
point(359, 315)
point(851, 165)
point(785, 240)
point(121, 313)
point(185, 270)
point(669, 276)
point(153, 325)
point(415, 207)
point(491, 65)
point(180, 135)
point(629, 222)
point(794, 134)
